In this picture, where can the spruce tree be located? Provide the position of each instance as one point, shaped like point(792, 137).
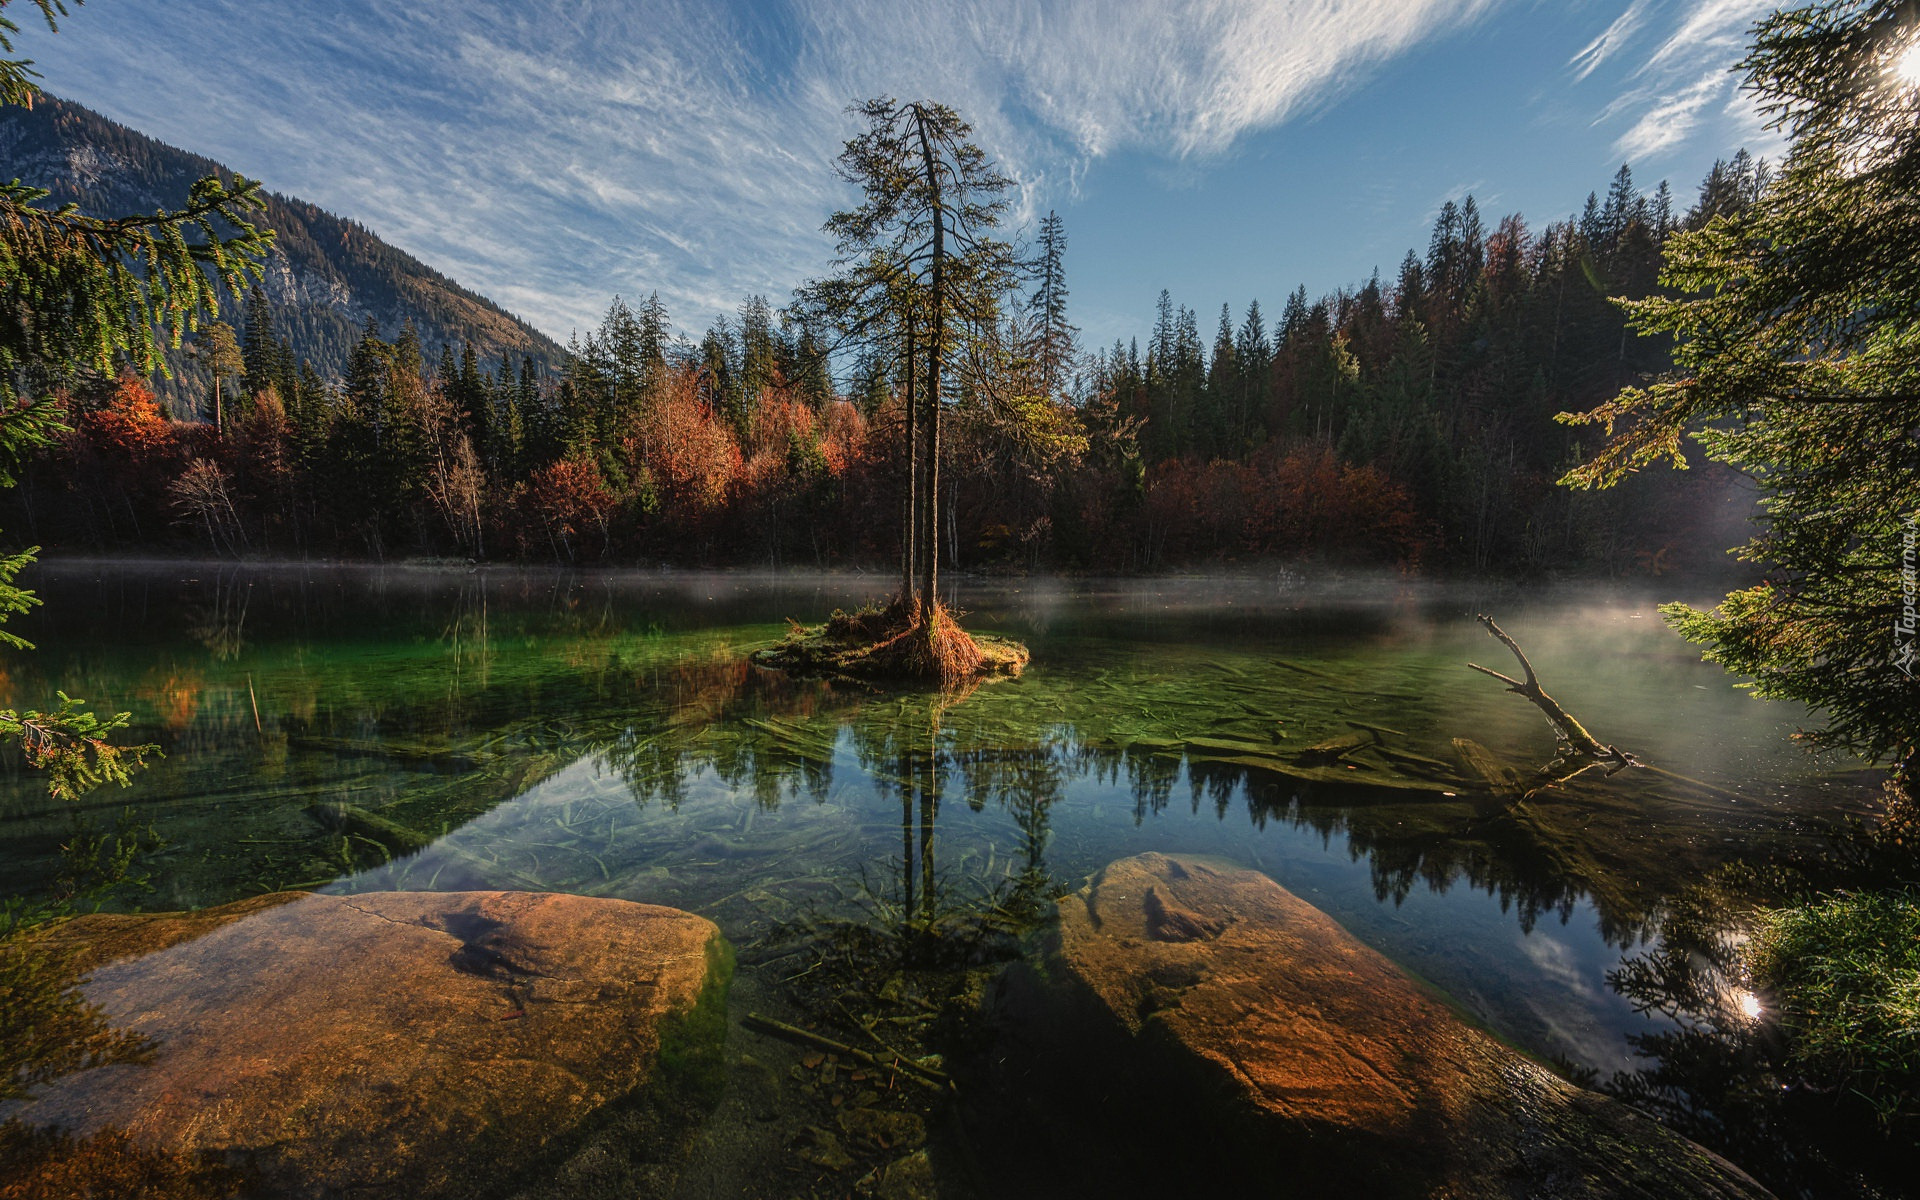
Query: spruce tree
point(1052, 347)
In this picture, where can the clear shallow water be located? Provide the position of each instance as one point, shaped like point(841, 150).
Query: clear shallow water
point(604, 734)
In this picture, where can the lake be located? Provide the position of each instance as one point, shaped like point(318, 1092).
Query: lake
point(605, 734)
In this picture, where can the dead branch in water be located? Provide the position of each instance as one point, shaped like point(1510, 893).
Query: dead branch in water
point(1579, 749)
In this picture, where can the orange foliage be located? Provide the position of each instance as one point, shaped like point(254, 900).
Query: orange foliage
point(175, 698)
point(130, 424)
point(843, 435)
point(779, 419)
point(690, 453)
point(568, 497)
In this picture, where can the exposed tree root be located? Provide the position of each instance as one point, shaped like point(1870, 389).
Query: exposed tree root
point(887, 644)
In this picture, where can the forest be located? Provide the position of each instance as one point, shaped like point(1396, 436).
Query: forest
point(1408, 421)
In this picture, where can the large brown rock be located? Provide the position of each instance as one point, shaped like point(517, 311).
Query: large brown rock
point(390, 1043)
point(1326, 1069)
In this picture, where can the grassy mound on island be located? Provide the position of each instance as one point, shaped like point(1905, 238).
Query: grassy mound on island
point(890, 643)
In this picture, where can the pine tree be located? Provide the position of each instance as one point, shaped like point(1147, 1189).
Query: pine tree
point(1222, 392)
point(473, 399)
point(1053, 349)
point(922, 235)
point(1255, 359)
point(1662, 212)
point(260, 349)
point(1620, 207)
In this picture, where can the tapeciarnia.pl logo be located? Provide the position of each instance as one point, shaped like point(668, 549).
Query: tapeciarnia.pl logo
point(1907, 623)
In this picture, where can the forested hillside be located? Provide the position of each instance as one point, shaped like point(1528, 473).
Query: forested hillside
point(1444, 382)
point(326, 278)
point(1408, 420)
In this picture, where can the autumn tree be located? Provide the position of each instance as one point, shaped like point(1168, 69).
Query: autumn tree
point(220, 350)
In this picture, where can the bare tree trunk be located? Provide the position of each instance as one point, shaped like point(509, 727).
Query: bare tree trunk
point(909, 565)
point(936, 347)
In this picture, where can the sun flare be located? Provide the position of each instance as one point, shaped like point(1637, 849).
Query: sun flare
point(1906, 68)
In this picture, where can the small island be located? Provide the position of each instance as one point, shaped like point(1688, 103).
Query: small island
point(893, 642)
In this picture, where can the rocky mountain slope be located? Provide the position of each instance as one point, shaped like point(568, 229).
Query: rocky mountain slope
point(326, 277)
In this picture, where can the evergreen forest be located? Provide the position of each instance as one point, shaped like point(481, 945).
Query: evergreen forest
point(1407, 421)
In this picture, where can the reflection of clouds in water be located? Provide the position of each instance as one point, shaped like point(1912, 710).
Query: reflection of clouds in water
point(1558, 962)
point(1580, 1018)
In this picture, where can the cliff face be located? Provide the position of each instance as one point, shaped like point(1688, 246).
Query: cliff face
point(326, 277)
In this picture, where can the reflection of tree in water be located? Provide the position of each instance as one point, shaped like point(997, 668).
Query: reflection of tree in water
point(903, 748)
point(1540, 857)
point(1149, 772)
point(1027, 781)
point(1516, 853)
point(219, 621)
point(901, 980)
point(1721, 1075)
point(752, 728)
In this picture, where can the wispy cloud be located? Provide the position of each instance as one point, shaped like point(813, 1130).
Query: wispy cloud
point(1600, 49)
point(551, 156)
point(1679, 75)
point(1176, 76)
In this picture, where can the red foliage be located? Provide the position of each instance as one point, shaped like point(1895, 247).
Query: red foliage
point(689, 451)
point(568, 499)
point(1303, 501)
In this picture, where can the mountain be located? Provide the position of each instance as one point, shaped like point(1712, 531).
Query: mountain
point(326, 275)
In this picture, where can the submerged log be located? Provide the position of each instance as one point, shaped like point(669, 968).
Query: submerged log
point(1578, 748)
point(1481, 761)
point(1336, 748)
point(351, 819)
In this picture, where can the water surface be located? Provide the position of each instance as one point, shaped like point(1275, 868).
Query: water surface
point(606, 735)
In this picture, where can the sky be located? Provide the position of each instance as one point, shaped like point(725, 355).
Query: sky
point(553, 156)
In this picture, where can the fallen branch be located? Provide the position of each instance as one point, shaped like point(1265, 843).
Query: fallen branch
point(924, 1076)
point(1579, 748)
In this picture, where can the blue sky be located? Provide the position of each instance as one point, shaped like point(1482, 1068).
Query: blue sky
point(551, 156)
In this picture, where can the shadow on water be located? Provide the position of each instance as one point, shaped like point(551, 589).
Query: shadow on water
point(876, 859)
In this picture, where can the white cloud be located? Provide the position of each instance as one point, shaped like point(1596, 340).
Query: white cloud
point(1182, 78)
point(1600, 49)
point(1683, 80)
point(551, 156)
point(1669, 118)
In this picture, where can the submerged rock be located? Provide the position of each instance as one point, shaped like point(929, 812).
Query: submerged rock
point(391, 1043)
point(1308, 1061)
